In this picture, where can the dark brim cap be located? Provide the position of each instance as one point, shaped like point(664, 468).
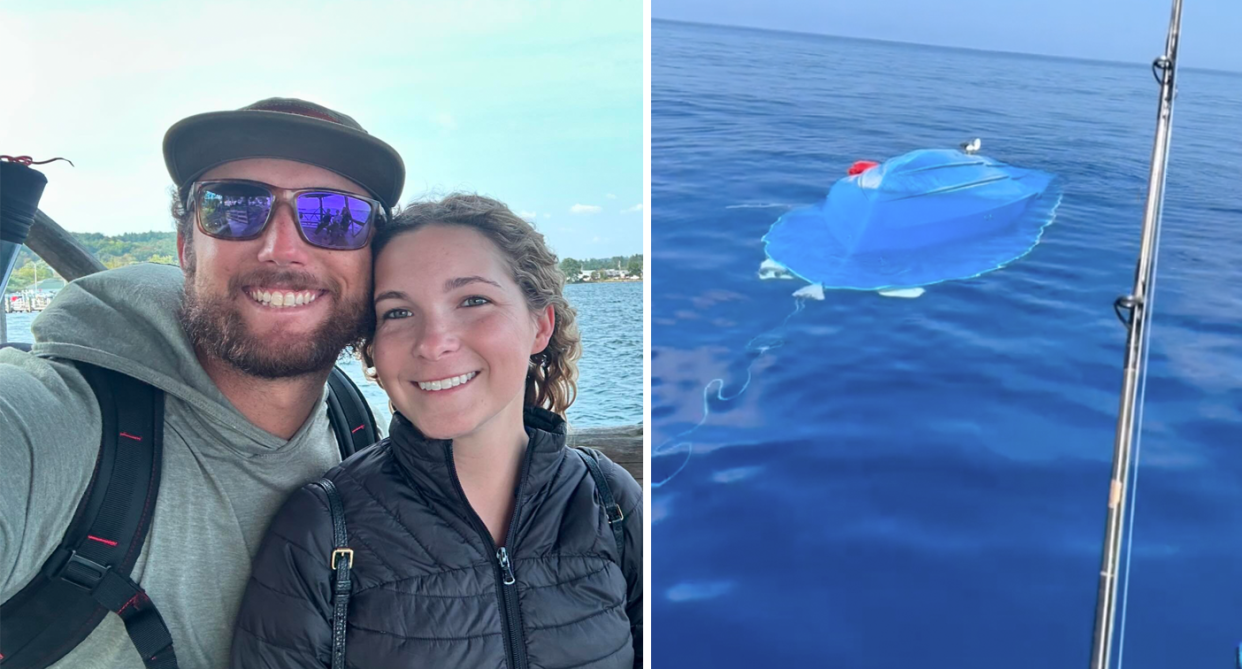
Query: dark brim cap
point(284, 128)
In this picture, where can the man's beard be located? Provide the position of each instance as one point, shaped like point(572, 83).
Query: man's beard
point(215, 327)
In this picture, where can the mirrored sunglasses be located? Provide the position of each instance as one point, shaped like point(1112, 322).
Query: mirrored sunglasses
point(239, 209)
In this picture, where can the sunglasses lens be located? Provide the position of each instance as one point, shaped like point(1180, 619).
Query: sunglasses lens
point(335, 221)
point(234, 211)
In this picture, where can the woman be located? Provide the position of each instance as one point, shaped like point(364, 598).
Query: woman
point(474, 536)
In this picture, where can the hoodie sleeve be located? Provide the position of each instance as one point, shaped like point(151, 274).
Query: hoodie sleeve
point(49, 441)
point(630, 496)
point(285, 620)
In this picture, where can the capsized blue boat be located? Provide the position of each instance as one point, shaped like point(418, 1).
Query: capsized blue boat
point(928, 216)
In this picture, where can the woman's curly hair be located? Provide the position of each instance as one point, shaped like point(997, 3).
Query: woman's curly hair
point(552, 382)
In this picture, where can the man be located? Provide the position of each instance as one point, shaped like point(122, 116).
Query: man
point(241, 340)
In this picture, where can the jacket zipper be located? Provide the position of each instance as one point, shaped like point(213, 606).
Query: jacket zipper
point(506, 582)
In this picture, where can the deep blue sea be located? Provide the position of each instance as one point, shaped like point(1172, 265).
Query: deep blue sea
point(610, 371)
point(923, 482)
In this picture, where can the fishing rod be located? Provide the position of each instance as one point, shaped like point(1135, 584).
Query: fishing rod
point(1136, 304)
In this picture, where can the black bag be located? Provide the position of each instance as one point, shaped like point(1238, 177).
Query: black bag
point(616, 517)
point(88, 575)
point(341, 561)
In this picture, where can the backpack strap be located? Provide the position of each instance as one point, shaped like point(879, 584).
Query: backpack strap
point(341, 561)
point(89, 573)
point(350, 415)
point(616, 518)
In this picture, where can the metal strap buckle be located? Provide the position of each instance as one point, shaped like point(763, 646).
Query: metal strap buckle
point(348, 553)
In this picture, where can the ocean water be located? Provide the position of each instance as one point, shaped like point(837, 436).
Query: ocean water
point(923, 483)
point(610, 371)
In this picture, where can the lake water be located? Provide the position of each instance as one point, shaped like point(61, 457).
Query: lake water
point(922, 483)
point(610, 387)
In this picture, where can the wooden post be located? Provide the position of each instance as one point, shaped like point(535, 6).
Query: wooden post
point(622, 444)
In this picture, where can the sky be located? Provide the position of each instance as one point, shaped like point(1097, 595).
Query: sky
point(537, 103)
point(1113, 30)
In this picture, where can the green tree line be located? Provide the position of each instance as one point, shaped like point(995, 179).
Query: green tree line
point(112, 251)
point(573, 268)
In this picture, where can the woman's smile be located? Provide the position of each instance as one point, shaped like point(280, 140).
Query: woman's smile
point(448, 383)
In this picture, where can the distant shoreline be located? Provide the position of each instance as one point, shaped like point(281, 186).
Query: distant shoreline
point(580, 283)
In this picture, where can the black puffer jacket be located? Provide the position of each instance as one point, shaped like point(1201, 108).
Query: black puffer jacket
point(427, 585)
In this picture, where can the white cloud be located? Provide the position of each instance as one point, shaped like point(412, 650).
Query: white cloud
point(528, 215)
point(585, 209)
point(637, 207)
point(546, 215)
point(610, 196)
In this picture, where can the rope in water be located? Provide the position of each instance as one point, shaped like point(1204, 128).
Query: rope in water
point(762, 349)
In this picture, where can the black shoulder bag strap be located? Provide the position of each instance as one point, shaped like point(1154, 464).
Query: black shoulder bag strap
point(351, 416)
point(341, 561)
point(616, 518)
point(88, 575)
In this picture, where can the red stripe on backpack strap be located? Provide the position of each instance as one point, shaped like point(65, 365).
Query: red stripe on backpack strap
point(132, 600)
point(357, 428)
point(102, 541)
point(130, 436)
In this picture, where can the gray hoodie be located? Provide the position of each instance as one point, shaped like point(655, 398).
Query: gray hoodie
point(223, 477)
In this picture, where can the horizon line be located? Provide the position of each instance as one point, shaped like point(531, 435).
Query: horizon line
point(1026, 54)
